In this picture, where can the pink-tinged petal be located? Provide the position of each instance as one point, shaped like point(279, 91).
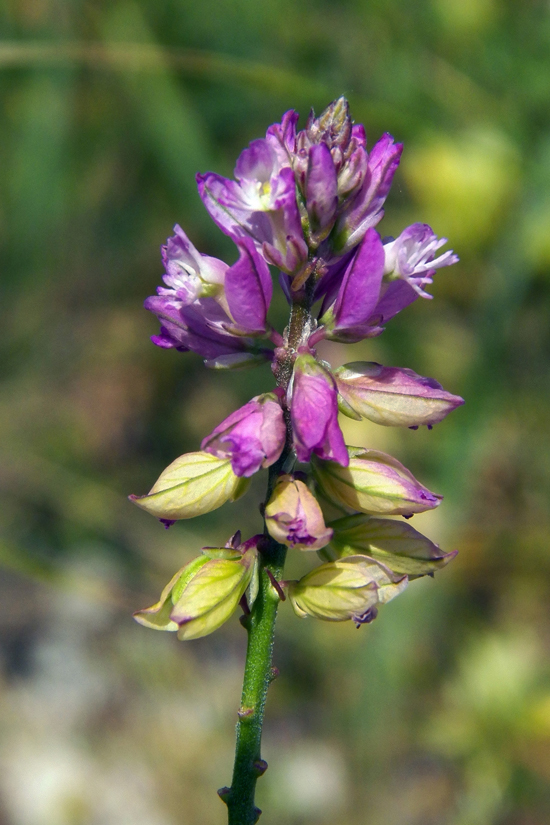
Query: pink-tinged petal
point(412, 257)
point(391, 396)
point(373, 483)
point(230, 208)
point(185, 327)
point(321, 187)
point(282, 137)
point(256, 163)
point(252, 437)
point(394, 297)
point(314, 413)
point(294, 517)
point(360, 289)
point(272, 432)
point(248, 289)
point(358, 132)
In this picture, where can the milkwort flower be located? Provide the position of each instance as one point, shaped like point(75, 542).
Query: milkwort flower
point(307, 202)
point(252, 437)
point(412, 257)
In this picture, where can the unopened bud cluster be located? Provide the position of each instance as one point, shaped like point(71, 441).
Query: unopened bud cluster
point(306, 202)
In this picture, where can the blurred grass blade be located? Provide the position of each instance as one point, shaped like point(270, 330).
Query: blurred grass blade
point(166, 115)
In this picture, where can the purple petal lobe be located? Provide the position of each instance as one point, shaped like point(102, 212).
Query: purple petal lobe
point(321, 187)
point(193, 328)
point(314, 413)
point(248, 289)
point(252, 437)
point(293, 516)
point(359, 292)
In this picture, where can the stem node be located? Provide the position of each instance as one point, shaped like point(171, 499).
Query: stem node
point(260, 767)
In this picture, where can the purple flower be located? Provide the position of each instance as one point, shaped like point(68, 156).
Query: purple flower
point(212, 317)
point(314, 412)
point(365, 209)
point(189, 274)
point(411, 257)
point(348, 318)
point(260, 204)
point(252, 437)
point(198, 327)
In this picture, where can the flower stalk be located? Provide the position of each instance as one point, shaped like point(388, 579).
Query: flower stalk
point(260, 623)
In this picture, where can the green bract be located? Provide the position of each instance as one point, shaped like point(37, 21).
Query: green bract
point(203, 594)
point(398, 545)
point(345, 589)
point(374, 483)
point(193, 484)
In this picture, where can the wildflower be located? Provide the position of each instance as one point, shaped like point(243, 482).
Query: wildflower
point(293, 516)
point(252, 437)
point(314, 412)
point(209, 307)
point(394, 543)
point(391, 396)
point(373, 483)
point(204, 593)
point(260, 204)
point(412, 257)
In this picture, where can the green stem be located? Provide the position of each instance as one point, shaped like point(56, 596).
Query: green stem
point(260, 624)
point(258, 674)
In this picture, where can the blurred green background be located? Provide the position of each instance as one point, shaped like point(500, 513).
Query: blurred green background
point(439, 712)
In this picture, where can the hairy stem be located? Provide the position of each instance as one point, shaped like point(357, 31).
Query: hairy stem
point(258, 674)
point(260, 624)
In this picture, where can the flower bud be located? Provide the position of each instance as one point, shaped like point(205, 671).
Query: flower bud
point(348, 319)
point(321, 190)
point(345, 589)
point(374, 483)
point(314, 412)
point(251, 437)
point(193, 484)
point(333, 126)
point(394, 543)
point(203, 594)
point(391, 396)
point(293, 516)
